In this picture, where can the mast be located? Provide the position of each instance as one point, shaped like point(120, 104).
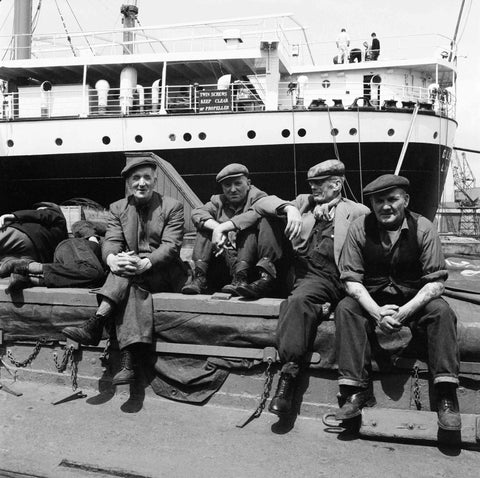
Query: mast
point(457, 26)
point(129, 13)
point(22, 29)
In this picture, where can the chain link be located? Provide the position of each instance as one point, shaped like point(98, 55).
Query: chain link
point(30, 358)
point(416, 388)
point(68, 358)
point(267, 387)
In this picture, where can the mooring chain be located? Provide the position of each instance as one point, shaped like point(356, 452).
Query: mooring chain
point(267, 387)
point(73, 371)
point(416, 388)
point(105, 355)
point(30, 358)
point(67, 353)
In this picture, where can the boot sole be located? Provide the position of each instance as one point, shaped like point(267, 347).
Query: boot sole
point(449, 429)
point(247, 293)
point(370, 403)
point(78, 340)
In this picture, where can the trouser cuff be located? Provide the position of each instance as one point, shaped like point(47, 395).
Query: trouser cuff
point(445, 379)
point(268, 266)
point(352, 382)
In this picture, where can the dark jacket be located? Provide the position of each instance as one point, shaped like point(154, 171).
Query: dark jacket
point(46, 228)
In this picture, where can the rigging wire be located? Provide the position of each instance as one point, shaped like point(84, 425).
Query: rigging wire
point(360, 167)
point(80, 26)
point(36, 16)
point(295, 185)
point(66, 30)
point(465, 23)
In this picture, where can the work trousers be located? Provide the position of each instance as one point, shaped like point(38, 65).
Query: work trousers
point(355, 332)
point(301, 313)
point(261, 245)
point(17, 244)
point(133, 300)
point(76, 263)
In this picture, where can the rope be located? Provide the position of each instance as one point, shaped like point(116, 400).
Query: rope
point(80, 26)
point(335, 147)
point(66, 29)
point(294, 144)
point(360, 168)
point(36, 16)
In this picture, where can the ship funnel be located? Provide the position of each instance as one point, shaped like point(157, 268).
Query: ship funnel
point(224, 81)
point(45, 98)
point(128, 83)
point(102, 87)
point(22, 29)
point(129, 13)
point(156, 95)
point(141, 97)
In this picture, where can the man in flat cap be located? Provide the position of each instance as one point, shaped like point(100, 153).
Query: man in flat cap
point(234, 247)
point(142, 251)
point(317, 225)
point(394, 273)
point(30, 234)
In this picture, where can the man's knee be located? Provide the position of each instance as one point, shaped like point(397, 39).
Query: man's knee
point(440, 308)
point(345, 309)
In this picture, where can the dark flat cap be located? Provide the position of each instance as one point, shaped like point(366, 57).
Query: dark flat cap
point(133, 163)
point(232, 171)
point(386, 182)
point(83, 229)
point(325, 169)
point(51, 205)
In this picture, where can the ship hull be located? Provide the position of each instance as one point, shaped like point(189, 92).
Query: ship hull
point(278, 156)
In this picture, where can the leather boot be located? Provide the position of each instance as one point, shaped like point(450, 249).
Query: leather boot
point(198, 285)
point(6, 266)
point(354, 402)
point(447, 408)
point(239, 280)
point(126, 374)
point(17, 282)
point(262, 287)
point(90, 333)
point(281, 403)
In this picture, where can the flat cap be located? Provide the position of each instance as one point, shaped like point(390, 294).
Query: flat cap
point(133, 163)
point(231, 171)
point(325, 169)
point(386, 182)
point(51, 205)
point(83, 229)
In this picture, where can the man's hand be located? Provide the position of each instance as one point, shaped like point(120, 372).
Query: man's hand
point(123, 263)
point(294, 222)
point(5, 219)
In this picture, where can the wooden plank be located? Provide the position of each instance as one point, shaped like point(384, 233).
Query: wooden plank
point(412, 424)
point(220, 351)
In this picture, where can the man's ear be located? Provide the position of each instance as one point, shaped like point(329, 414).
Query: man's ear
point(407, 199)
point(249, 182)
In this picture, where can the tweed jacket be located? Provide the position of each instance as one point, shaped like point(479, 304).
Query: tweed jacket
point(165, 228)
point(346, 212)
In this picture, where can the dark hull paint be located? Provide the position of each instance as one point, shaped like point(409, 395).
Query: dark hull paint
point(25, 180)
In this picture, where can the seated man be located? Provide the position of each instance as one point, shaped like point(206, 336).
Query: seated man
point(231, 240)
point(317, 224)
point(31, 233)
point(394, 273)
point(77, 262)
point(142, 250)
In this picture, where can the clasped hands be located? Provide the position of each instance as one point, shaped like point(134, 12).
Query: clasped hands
point(128, 264)
point(391, 318)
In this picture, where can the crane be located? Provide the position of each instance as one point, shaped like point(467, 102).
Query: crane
point(464, 182)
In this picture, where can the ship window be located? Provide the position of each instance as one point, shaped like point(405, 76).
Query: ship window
point(251, 134)
point(106, 140)
point(353, 131)
point(286, 133)
point(10, 143)
point(138, 138)
point(435, 135)
point(172, 137)
point(391, 132)
point(302, 132)
point(202, 136)
point(326, 83)
point(187, 137)
point(334, 132)
point(59, 141)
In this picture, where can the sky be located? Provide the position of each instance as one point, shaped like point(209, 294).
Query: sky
point(323, 20)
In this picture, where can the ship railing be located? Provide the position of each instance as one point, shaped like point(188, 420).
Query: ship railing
point(239, 96)
point(372, 94)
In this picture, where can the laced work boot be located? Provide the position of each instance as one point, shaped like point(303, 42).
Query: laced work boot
point(126, 374)
point(7, 265)
point(198, 285)
point(447, 409)
point(281, 403)
point(262, 287)
point(239, 280)
point(90, 333)
point(354, 402)
point(17, 282)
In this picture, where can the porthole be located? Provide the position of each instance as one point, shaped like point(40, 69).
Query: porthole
point(302, 132)
point(172, 137)
point(391, 132)
point(59, 141)
point(10, 143)
point(353, 131)
point(106, 140)
point(251, 134)
point(435, 135)
point(187, 137)
point(286, 133)
point(334, 132)
point(138, 138)
point(202, 136)
point(326, 83)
